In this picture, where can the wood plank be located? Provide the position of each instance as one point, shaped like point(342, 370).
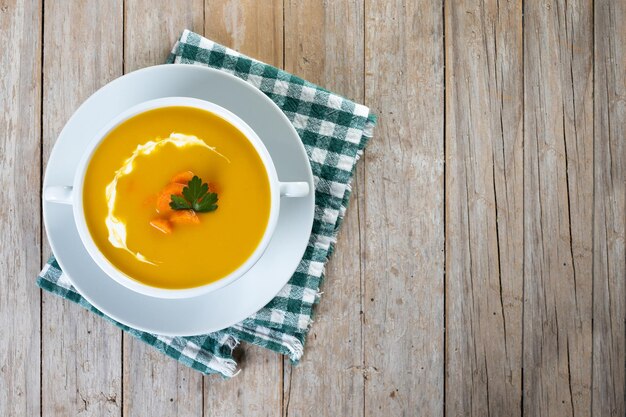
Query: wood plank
point(153, 383)
point(402, 226)
point(20, 226)
point(324, 44)
point(558, 205)
point(609, 259)
point(249, 26)
point(255, 391)
point(81, 361)
point(152, 27)
point(484, 202)
point(256, 29)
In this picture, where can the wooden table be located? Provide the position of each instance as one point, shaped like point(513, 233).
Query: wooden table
point(481, 267)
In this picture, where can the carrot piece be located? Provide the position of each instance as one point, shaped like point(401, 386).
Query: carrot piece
point(164, 198)
point(182, 177)
point(162, 225)
point(184, 217)
point(173, 188)
point(163, 203)
point(213, 188)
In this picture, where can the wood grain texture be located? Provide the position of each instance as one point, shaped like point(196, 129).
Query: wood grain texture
point(153, 383)
point(324, 44)
point(152, 27)
point(609, 222)
point(81, 361)
point(252, 27)
point(256, 391)
point(558, 207)
point(484, 203)
point(402, 225)
point(20, 228)
point(256, 29)
point(157, 385)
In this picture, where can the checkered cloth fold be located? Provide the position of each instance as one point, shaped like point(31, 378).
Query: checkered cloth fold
point(334, 131)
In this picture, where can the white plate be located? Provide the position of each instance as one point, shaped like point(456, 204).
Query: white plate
point(228, 305)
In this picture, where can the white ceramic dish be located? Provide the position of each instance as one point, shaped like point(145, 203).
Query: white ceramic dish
point(225, 306)
point(73, 194)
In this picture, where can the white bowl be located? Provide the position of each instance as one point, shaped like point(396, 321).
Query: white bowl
point(73, 195)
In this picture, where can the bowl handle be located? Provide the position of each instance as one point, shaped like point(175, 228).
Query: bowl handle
point(294, 189)
point(58, 194)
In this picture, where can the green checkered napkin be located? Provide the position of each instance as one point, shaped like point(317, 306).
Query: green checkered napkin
point(334, 131)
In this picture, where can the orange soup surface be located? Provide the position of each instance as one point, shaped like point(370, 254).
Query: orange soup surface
point(127, 194)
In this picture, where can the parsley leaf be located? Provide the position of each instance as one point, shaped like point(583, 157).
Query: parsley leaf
point(195, 189)
point(196, 196)
point(179, 203)
point(206, 204)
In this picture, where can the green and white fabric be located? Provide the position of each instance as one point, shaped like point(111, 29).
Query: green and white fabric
point(334, 131)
